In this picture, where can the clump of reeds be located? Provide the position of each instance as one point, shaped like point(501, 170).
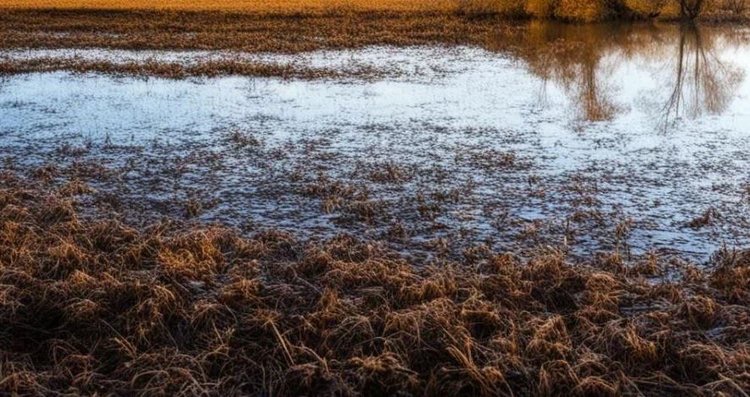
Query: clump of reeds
point(95, 306)
point(704, 219)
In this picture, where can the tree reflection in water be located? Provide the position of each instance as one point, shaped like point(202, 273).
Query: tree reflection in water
point(582, 60)
point(702, 82)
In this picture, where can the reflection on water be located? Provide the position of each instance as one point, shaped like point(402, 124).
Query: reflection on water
point(696, 68)
point(703, 83)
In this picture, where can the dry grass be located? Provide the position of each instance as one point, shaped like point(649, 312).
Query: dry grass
point(141, 30)
point(177, 70)
point(283, 32)
point(577, 10)
point(174, 30)
point(240, 5)
point(568, 54)
point(94, 306)
point(251, 32)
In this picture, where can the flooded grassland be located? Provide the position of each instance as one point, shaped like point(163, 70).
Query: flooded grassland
point(555, 209)
point(630, 137)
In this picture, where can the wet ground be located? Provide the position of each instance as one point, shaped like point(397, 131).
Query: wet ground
point(632, 139)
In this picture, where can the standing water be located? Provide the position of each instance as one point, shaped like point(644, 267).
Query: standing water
point(593, 137)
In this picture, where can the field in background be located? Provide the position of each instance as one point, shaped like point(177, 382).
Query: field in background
point(570, 10)
point(241, 5)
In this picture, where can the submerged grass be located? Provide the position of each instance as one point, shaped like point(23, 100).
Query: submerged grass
point(95, 306)
point(179, 70)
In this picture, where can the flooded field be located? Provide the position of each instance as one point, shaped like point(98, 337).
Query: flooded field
point(635, 138)
point(446, 144)
point(383, 203)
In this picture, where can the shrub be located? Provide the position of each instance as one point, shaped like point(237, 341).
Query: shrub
point(584, 10)
point(736, 7)
point(644, 8)
point(541, 8)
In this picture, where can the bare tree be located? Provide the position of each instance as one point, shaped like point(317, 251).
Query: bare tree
point(691, 9)
point(737, 7)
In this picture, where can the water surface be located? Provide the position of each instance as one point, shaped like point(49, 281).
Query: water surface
point(593, 137)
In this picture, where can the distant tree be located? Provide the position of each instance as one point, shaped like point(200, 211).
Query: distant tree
point(691, 9)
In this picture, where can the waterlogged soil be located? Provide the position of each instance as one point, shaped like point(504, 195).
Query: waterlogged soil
point(610, 145)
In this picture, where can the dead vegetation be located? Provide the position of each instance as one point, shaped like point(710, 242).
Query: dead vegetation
point(94, 306)
point(178, 70)
point(183, 30)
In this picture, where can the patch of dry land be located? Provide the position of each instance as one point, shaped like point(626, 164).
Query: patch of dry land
point(359, 198)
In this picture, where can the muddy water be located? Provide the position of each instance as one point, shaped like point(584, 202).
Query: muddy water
point(594, 138)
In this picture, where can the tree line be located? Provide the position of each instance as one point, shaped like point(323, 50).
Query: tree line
point(594, 10)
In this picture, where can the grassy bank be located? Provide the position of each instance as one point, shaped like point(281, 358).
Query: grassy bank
point(91, 305)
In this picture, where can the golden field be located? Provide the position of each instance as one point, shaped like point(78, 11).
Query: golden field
point(240, 5)
point(566, 10)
